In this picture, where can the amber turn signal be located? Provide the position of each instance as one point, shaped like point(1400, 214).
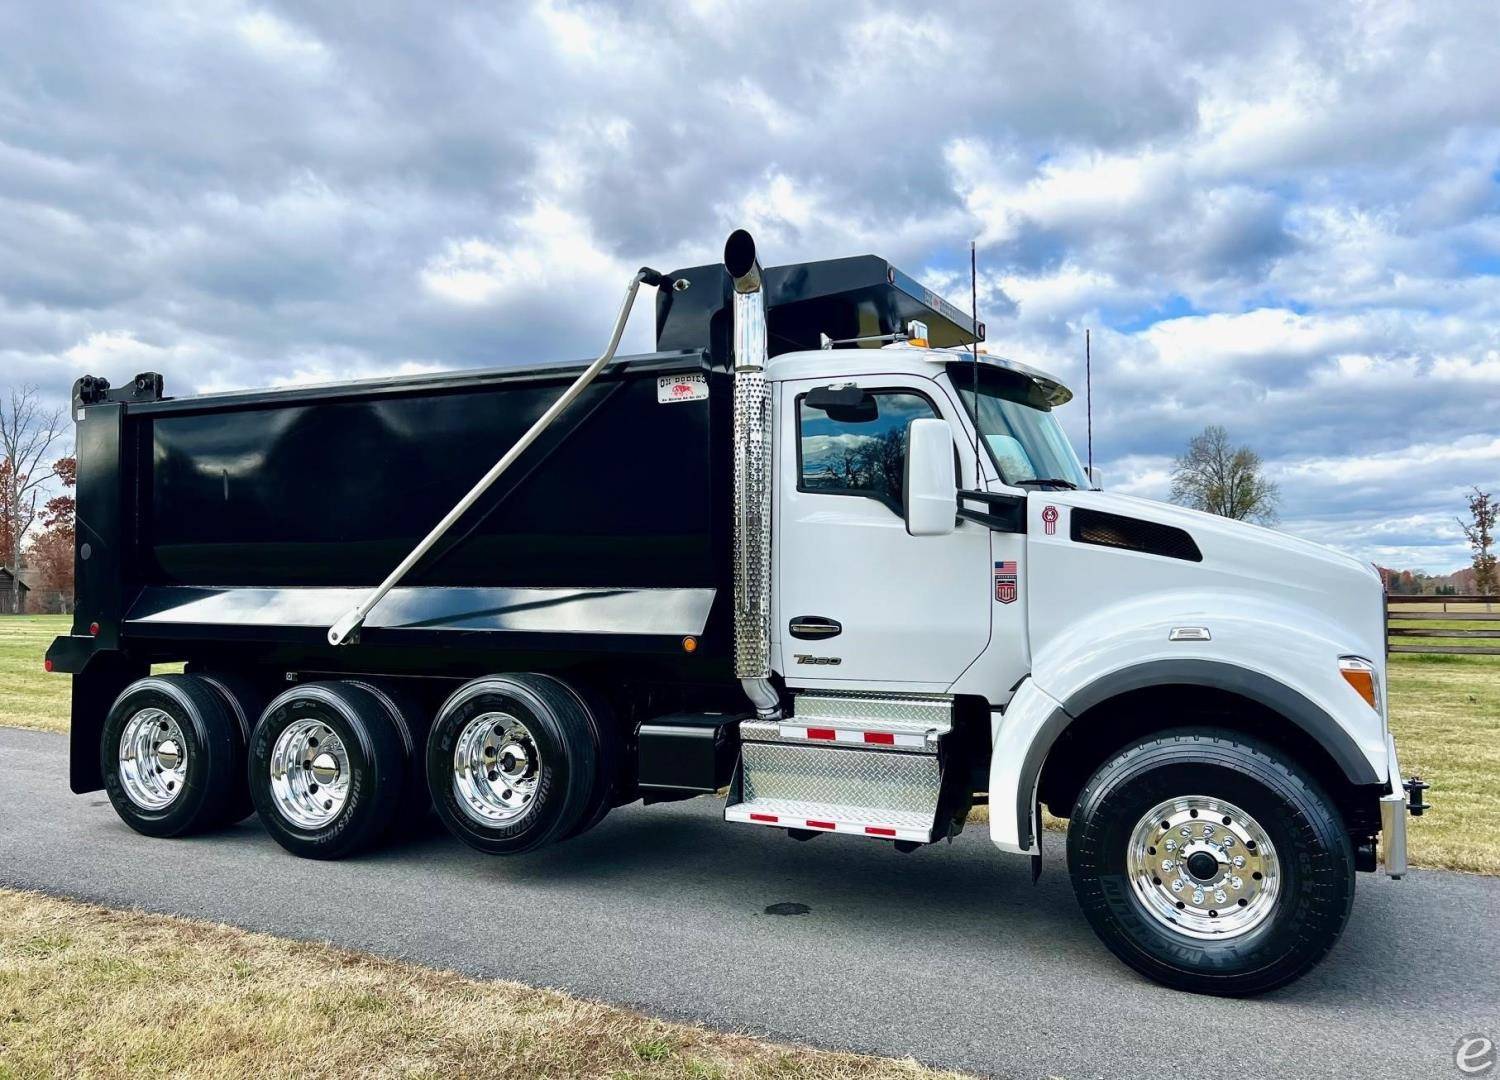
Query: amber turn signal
point(689, 644)
point(1360, 674)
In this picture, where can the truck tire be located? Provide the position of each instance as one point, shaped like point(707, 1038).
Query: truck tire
point(327, 769)
point(511, 763)
point(411, 717)
point(168, 755)
point(246, 700)
point(1209, 863)
point(609, 753)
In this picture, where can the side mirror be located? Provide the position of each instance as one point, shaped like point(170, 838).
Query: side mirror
point(929, 495)
point(1096, 479)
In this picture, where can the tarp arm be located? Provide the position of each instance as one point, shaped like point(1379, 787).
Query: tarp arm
point(346, 629)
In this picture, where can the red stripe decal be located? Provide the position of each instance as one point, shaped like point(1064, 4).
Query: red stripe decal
point(821, 733)
point(884, 738)
point(821, 825)
point(876, 830)
point(765, 817)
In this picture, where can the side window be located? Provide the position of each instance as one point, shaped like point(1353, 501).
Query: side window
point(853, 453)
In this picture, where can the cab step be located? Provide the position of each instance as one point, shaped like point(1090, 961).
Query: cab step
point(860, 764)
point(833, 817)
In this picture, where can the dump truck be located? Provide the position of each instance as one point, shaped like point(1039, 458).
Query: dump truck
point(821, 555)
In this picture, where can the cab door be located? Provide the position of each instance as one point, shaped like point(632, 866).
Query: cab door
point(859, 600)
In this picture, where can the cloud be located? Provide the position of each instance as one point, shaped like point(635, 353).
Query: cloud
point(1282, 219)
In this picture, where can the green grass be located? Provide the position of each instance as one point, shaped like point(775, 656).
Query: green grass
point(29, 697)
point(1445, 711)
point(1445, 714)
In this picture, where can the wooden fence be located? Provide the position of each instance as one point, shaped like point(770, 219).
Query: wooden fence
point(1478, 632)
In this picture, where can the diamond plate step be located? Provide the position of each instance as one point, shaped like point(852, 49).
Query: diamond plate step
point(870, 734)
point(869, 821)
point(811, 786)
point(889, 712)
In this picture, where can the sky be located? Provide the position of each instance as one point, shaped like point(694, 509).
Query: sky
point(1279, 217)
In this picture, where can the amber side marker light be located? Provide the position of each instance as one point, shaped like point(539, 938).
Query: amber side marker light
point(1360, 674)
point(689, 644)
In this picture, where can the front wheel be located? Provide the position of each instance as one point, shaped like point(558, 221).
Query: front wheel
point(1208, 863)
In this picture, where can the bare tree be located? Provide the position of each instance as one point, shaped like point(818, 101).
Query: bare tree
point(1481, 534)
point(27, 432)
point(1224, 479)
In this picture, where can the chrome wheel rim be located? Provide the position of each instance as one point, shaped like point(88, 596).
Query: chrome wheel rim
point(153, 759)
point(496, 764)
point(309, 774)
point(1203, 868)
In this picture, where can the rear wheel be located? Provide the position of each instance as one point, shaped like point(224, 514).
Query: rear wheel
point(169, 756)
point(1208, 863)
point(512, 763)
point(328, 769)
point(245, 699)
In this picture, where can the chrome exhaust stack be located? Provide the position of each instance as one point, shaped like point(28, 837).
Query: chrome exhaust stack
point(752, 479)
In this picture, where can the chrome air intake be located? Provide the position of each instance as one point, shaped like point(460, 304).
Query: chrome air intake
point(752, 479)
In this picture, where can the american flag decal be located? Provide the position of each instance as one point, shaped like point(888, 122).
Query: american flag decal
point(1005, 582)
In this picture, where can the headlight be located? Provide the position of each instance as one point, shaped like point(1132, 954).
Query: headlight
point(1361, 674)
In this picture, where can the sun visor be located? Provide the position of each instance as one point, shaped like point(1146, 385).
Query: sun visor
point(861, 296)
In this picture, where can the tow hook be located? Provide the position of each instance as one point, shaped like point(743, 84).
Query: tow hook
point(1414, 788)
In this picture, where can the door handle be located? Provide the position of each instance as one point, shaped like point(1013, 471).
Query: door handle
point(814, 627)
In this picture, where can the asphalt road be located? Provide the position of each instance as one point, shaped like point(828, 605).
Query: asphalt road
point(948, 955)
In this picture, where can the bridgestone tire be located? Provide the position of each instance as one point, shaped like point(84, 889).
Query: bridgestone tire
point(566, 778)
point(411, 720)
point(1314, 855)
point(377, 768)
point(609, 756)
point(210, 755)
point(245, 700)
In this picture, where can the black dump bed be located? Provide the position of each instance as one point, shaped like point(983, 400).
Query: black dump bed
point(262, 517)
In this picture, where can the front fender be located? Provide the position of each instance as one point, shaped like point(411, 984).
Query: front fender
point(1285, 660)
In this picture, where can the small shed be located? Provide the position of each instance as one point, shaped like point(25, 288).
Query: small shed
point(12, 600)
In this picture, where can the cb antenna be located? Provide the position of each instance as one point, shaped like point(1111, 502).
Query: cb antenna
point(1088, 396)
point(974, 351)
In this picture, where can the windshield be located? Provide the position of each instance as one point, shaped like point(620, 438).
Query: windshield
point(1024, 439)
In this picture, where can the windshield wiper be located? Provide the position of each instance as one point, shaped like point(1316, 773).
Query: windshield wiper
point(1041, 482)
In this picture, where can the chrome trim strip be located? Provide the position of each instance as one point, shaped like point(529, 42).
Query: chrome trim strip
point(678, 612)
